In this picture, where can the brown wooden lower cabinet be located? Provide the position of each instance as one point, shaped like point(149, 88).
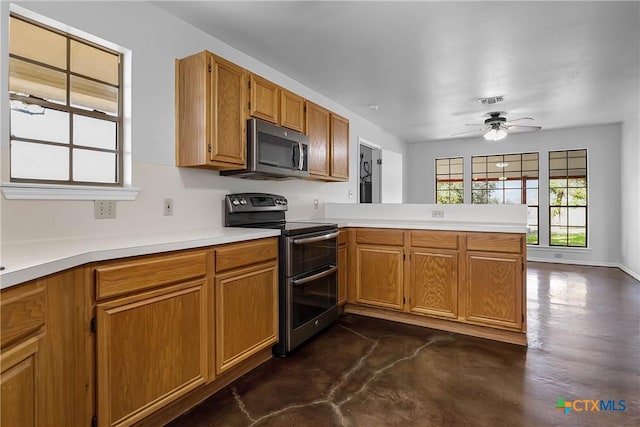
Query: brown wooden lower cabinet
point(246, 313)
point(19, 380)
point(445, 282)
point(379, 276)
point(433, 288)
point(494, 289)
point(151, 349)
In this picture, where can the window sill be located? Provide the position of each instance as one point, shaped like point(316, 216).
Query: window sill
point(25, 191)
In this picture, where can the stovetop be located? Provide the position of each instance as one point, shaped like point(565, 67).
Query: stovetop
point(262, 210)
point(293, 228)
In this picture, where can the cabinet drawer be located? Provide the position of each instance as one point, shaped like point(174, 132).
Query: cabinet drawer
point(22, 311)
point(495, 242)
point(381, 237)
point(148, 272)
point(241, 254)
point(434, 239)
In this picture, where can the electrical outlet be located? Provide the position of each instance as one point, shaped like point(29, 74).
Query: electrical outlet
point(104, 209)
point(437, 214)
point(557, 255)
point(167, 208)
point(315, 203)
point(350, 194)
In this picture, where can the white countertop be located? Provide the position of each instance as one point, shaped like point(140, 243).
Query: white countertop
point(429, 225)
point(28, 260)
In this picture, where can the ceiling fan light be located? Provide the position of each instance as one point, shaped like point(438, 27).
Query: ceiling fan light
point(495, 135)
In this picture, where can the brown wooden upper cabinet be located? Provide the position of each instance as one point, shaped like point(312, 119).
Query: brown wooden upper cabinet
point(291, 110)
point(211, 112)
point(270, 102)
point(263, 101)
point(328, 144)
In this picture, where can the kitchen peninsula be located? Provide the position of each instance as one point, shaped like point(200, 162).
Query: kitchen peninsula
point(460, 268)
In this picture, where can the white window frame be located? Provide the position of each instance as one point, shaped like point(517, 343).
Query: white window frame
point(44, 191)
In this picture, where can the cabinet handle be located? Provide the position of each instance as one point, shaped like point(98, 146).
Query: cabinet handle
point(316, 276)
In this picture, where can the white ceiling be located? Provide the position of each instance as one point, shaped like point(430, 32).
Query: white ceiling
point(566, 64)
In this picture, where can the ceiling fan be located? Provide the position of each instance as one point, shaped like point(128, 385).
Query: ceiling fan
point(497, 126)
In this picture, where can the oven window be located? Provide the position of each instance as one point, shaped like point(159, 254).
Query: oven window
point(313, 255)
point(311, 299)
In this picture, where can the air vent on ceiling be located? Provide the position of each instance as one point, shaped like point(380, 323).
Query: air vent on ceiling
point(491, 100)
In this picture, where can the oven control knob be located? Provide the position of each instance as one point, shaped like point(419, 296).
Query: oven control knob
point(284, 201)
point(235, 202)
point(243, 202)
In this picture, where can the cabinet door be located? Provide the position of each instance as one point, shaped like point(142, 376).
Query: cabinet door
point(342, 274)
point(246, 313)
point(227, 113)
point(494, 289)
point(318, 125)
point(291, 110)
point(434, 283)
point(379, 276)
point(339, 147)
point(19, 379)
point(152, 349)
point(263, 102)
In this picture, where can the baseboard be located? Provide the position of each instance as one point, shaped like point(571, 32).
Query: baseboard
point(629, 272)
point(625, 269)
point(574, 262)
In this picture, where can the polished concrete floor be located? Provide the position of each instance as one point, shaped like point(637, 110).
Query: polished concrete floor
point(584, 344)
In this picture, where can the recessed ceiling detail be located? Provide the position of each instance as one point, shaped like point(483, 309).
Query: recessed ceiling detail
point(491, 100)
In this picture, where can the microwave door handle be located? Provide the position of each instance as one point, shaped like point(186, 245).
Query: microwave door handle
point(301, 157)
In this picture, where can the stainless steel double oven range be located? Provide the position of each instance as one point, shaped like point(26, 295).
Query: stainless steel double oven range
point(308, 265)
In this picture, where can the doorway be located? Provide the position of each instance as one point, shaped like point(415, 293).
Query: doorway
point(369, 172)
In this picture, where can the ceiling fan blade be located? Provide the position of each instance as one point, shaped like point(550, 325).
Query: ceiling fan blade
point(523, 126)
point(469, 131)
point(521, 118)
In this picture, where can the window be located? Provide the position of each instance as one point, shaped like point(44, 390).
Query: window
point(66, 108)
point(568, 198)
point(508, 179)
point(449, 180)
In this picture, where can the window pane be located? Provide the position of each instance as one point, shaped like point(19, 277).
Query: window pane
point(39, 161)
point(559, 164)
point(532, 183)
point(530, 165)
point(577, 196)
point(532, 235)
point(557, 183)
point(92, 62)
point(94, 166)
point(512, 197)
point(558, 236)
point(479, 196)
point(577, 217)
point(39, 44)
point(92, 132)
point(577, 182)
point(532, 196)
point(532, 216)
point(577, 236)
point(91, 95)
point(29, 79)
point(558, 216)
point(494, 197)
point(35, 122)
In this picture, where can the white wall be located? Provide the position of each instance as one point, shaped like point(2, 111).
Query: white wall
point(604, 197)
point(630, 196)
point(156, 39)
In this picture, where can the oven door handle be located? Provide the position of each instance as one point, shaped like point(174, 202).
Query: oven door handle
point(316, 276)
point(315, 239)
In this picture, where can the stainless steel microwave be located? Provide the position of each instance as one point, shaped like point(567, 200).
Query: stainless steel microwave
point(273, 152)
